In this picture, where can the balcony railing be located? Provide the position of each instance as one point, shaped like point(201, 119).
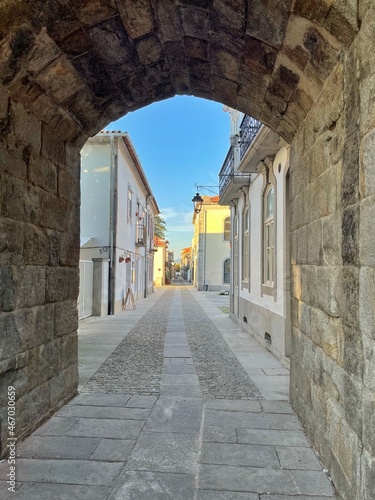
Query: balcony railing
point(228, 173)
point(248, 130)
point(140, 235)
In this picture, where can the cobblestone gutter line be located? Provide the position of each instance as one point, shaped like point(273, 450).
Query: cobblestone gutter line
point(135, 365)
point(220, 373)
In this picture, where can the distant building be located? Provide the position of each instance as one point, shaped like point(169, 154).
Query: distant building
point(211, 245)
point(160, 259)
point(186, 263)
point(117, 223)
point(254, 182)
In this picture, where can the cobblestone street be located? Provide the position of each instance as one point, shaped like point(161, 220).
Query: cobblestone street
point(176, 402)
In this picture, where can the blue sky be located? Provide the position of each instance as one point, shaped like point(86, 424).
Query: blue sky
point(180, 142)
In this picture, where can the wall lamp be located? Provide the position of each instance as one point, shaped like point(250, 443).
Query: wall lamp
point(198, 202)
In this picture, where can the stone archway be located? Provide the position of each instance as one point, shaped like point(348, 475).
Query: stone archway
point(68, 68)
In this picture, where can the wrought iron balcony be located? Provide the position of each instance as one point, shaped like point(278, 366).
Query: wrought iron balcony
point(248, 130)
point(140, 235)
point(230, 179)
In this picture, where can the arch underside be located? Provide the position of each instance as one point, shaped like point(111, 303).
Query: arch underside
point(80, 64)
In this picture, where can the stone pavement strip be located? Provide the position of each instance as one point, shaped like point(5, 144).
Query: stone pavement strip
point(180, 405)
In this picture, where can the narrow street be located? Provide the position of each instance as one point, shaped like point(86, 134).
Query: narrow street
point(176, 402)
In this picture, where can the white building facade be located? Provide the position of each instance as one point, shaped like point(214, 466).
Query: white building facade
point(117, 219)
point(254, 181)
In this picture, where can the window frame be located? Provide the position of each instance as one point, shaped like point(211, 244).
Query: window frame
point(269, 245)
point(226, 231)
point(245, 247)
point(226, 273)
point(130, 205)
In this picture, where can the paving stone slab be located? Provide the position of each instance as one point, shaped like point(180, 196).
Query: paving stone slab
point(100, 399)
point(259, 480)
point(48, 491)
point(272, 437)
point(135, 485)
point(66, 471)
point(104, 412)
point(298, 458)
point(233, 405)
point(299, 497)
point(179, 379)
point(277, 407)
point(57, 447)
point(190, 391)
point(5, 493)
point(252, 420)
point(177, 352)
point(178, 369)
point(176, 414)
point(56, 426)
point(251, 479)
point(239, 454)
point(165, 452)
point(312, 482)
point(178, 361)
point(218, 434)
point(113, 450)
point(227, 495)
point(106, 428)
point(141, 401)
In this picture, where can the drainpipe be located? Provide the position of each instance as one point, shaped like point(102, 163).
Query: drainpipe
point(205, 251)
point(148, 196)
point(112, 226)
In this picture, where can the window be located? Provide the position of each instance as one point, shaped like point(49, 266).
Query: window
point(245, 245)
point(227, 229)
point(226, 271)
point(269, 237)
point(130, 202)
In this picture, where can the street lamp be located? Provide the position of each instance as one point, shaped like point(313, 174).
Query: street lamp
point(198, 201)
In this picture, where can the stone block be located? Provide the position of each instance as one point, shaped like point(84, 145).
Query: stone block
point(368, 475)
point(73, 160)
point(11, 242)
point(149, 50)
point(69, 249)
point(331, 240)
point(15, 199)
point(367, 169)
point(42, 173)
point(366, 232)
point(57, 284)
point(46, 210)
point(137, 17)
point(368, 363)
point(347, 294)
point(73, 282)
point(31, 286)
point(345, 447)
point(366, 301)
point(53, 148)
point(17, 332)
point(43, 363)
point(66, 318)
point(68, 350)
point(8, 293)
point(195, 22)
point(63, 385)
point(328, 289)
point(36, 249)
point(314, 243)
point(31, 407)
point(27, 126)
point(350, 233)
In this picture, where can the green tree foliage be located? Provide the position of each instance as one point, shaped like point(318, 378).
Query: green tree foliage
point(160, 227)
